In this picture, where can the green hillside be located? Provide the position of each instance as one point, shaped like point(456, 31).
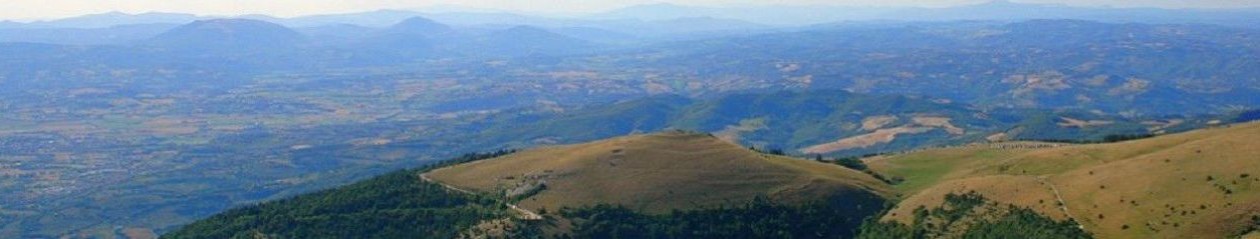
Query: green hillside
point(663, 185)
point(1199, 184)
point(393, 205)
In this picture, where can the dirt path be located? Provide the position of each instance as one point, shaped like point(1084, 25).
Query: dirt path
point(524, 214)
point(427, 179)
point(1059, 199)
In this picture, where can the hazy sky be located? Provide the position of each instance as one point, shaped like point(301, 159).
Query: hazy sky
point(46, 9)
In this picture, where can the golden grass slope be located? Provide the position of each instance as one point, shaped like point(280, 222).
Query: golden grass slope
point(880, 136)
point(877, 122)
point(657, 173)
point(1199, 184)
point(918, 125)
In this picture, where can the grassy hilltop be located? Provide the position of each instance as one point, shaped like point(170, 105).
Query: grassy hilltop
point(658, 173)
point(1199, 184)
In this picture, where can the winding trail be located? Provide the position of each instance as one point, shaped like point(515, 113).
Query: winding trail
point(523, 214)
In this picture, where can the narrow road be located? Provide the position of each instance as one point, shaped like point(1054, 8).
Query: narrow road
point(524, 214)
point(427, 179)
point(1059, 198)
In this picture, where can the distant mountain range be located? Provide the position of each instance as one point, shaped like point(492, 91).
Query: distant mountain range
point(113, 35)
point(205, 36)
point(994, 10)
point(1130, 69)
point(109, 19)
point(779, 15)
point(660, 20)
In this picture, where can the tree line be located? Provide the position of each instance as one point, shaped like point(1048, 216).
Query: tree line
point(971, 216)
point(394, 205)
point(838, 217)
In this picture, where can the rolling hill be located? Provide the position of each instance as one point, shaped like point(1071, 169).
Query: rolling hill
point(674, 184)
point(418, 27)
point(235, 35)
point(644, 186)
point(657, 173)
point(412, 37)
point(1199, 184)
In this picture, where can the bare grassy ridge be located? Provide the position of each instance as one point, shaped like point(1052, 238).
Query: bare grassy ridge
point(1199, 184)
point(657, 173)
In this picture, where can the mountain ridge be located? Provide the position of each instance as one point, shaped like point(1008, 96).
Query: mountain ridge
point(1103, 190)
point(230, 35)
point(655, 173)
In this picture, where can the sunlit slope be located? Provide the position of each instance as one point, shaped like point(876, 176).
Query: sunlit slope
point(1199, 184)
point(658, 173)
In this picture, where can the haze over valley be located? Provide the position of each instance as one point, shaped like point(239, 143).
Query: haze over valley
point(654, 120)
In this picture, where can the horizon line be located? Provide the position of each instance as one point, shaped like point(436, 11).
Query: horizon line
point(453, 8)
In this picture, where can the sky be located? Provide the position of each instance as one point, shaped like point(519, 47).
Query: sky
point(52, 9)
